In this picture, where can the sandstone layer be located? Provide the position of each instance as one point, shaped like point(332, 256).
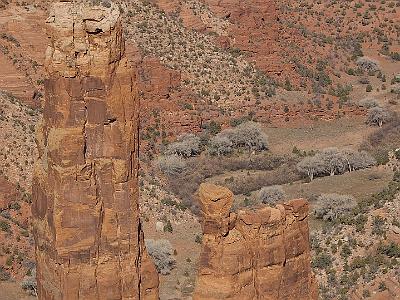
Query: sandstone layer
point(254, 30)
point(253, 254)
point(89, 241)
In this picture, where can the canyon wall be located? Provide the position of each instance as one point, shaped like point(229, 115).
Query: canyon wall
point(89, 241)
point(254, 30)
point(261, 253)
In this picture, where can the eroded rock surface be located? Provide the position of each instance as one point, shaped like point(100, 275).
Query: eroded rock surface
point(89, 241)
point(253, 254)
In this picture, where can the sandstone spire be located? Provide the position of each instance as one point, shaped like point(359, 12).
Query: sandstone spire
point(89, 242)
point(253, 254)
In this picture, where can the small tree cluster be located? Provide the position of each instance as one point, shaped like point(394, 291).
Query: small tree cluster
point(332, 161)
point(187, 145)
point(248, 135)
point(330, 207)
point(162, 253)
point(377, 116)
point(171, 164)
point(271, 194)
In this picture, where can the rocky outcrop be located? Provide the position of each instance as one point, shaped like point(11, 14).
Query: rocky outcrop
point(89, 241)
point(253, 254)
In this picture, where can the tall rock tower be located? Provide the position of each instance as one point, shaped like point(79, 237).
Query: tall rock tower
point(89, 241)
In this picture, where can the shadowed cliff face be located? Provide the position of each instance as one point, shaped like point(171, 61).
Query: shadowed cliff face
point(253, 254)
point(89, 242)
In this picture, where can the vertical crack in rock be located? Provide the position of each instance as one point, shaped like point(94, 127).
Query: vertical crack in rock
point(260, 253)
point(88, 240)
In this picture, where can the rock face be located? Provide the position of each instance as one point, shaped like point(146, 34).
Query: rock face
point(254, 29)
point(253, 254)
point(89, 241)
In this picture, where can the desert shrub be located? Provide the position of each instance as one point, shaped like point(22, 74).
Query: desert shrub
point(331, 207)
point(4, 226)
point(4, 274)
point(29, 284)
point(271, 194)
point(213, 127)
point(162, 253)
point(171, 164)
point(397, 154)
point(367, 64)
point(391, 250)
point(220, 145)
point(173, 203)
point(168, 227)
point(198, 239)
point(322, 261)
point(377, 116)
point(187, 145)
point(368, 103)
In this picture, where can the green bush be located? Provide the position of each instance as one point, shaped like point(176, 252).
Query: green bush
point(168, 227)
point(391, 250)
point(322, 261)
point(4, 226)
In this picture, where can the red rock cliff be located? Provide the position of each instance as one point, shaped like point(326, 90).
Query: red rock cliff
point(89, 241)
point(254, 30)
point(253, 254)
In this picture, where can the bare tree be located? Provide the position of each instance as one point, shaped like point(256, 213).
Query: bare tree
point(333, 160)
point(311, 166)
point(248, 135)
point(377, 116)
point(187, 145)
point(271, 194)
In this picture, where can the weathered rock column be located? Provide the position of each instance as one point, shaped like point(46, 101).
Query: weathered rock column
point(89, 242)
point(253, 254)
